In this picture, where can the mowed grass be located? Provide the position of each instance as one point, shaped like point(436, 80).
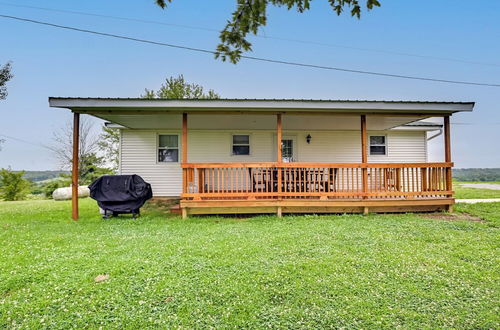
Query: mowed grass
point(222, 272)
point(474, 193)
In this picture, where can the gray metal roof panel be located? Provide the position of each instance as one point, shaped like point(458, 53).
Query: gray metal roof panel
point(258, 99)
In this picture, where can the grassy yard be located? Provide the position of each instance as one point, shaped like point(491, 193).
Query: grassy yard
point(357, 271)
point(466, 193)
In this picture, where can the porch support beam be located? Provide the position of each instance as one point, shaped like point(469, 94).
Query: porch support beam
point(184, 138)
point(74, 169)
point(447, 155)
point(279, 136)
point(447, 142)
point(364, 157)
point(184, 158)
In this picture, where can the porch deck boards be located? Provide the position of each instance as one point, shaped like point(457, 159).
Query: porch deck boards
point(280, 206)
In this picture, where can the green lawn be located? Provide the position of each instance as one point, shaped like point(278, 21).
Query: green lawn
point(473, 193)
point(296, 272)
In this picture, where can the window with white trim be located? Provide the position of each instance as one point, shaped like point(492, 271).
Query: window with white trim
point(240, 145)
point(168, 148)
point(378, 145)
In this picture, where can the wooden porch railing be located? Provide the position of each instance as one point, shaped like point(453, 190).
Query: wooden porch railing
point(209, 181)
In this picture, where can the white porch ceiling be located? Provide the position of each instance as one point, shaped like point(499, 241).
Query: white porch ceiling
point(256, 122)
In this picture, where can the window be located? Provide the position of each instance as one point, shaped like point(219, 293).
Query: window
point(378, 145)
point(168, 148)
point(241, 145)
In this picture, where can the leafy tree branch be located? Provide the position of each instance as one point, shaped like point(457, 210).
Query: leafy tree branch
point(5, 76)
point(250, 15)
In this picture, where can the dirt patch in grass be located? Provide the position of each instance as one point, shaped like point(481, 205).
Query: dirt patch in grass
point(161, 204)
point(453, 217)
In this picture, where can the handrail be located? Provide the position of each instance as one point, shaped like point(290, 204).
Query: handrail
point(315, 180)
point(316, 165)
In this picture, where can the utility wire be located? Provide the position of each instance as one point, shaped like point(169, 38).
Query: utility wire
point(263, 36)
point(27, 142)
point(260, 59)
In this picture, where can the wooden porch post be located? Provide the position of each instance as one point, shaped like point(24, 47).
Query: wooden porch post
point(74, 170)
point(184, 158)
point(447, 155)
point(184, 138)
point(364, 158)
point(279, 135)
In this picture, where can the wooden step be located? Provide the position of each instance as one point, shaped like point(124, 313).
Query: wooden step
point(176, 209)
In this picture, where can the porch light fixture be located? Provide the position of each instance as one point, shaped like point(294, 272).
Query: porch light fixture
point(308, 138)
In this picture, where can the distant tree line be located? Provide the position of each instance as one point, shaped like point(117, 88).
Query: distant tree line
point(476, 174)
point(36, 176)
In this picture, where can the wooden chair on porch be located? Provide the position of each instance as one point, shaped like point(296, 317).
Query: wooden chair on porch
point(263, 180)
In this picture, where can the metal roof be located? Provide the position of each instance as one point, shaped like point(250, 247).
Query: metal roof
point(258, 99)
point(140, 105)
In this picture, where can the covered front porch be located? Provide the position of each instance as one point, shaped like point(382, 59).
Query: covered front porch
point(286, 186)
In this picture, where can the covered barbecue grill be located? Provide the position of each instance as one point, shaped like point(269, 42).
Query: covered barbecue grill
point(119, 194)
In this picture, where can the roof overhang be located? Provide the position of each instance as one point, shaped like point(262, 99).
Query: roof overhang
point(225, 113)
point(131, 105)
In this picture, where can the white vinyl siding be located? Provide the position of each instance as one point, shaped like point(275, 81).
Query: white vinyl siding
point(139, 156)
point(138, 151)
point(215, 146)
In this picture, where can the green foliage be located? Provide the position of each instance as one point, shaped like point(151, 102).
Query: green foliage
point(178, 88)
point(5, 76)
point(47, 188)
point(250, 15)
point(349, 271)
point(91, 167)
point(36, 176)
point(476, 174)
point(13, 187)
point(109, 142)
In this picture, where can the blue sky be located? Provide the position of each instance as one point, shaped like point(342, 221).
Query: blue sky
point(53, 62)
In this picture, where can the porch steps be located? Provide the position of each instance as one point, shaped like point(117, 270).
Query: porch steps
point(176, 209)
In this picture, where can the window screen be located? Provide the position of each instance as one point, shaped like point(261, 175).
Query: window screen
point(168, 148)
point(378, 145)
point(241, 145)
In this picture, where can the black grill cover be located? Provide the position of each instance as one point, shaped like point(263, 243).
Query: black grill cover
point(120, 193)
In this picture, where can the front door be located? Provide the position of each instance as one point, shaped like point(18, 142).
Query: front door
point(288, 147)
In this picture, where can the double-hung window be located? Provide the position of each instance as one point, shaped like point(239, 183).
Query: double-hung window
point(240, 145)
point(378, 145)
point(168, 148)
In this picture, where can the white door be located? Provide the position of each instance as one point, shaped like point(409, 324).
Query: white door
point(289, 149)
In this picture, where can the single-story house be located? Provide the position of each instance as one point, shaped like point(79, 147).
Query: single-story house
point(281, 155)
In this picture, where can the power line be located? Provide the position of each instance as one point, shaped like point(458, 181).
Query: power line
point(27, 142)
point(184, 26)
point(260, 59)
point(130, 19)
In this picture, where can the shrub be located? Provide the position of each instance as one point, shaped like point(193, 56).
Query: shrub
point(13, 187)
point(49, 187)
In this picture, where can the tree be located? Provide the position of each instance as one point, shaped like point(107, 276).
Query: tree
point(90, 165)
point(178, 88)
point(173, 88)
point(13, 187)
point(250, 15)
point(109, 141)
point(5, 75)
